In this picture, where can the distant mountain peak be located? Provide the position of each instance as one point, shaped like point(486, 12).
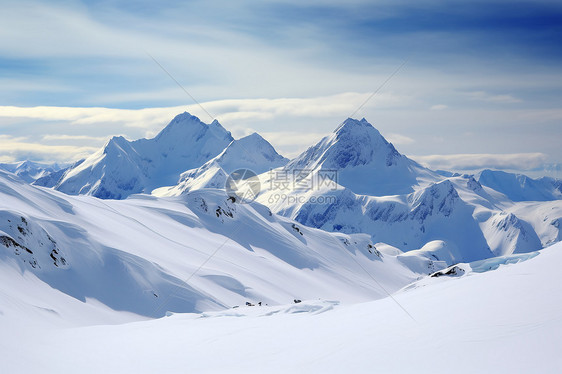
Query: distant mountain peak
point(366, 162)
point(187, 126)
point(116, 142)
point(352, 124)
point(353, 143)
point(125, 167)
point(254, 140)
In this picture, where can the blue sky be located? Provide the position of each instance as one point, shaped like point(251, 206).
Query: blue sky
point(482, 86)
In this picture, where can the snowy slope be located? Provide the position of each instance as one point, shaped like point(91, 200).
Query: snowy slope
point(197, 252)
point(505, 320)
point(320, 189)
point(474, 221)
point(366, 162)
point(53, 178)
point(251, 152)
point(125, 167)
point(519, 187)
point(30, 171)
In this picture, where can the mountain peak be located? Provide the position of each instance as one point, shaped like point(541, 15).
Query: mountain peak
point(357, 142)
point(253, 138)
point(353, 128)
point(124, 167)
point(353, 143)
point(253, 152)
point(185, 117)
point(352, 123)
point(187, 126)
point(366, 162)
point(117, 144)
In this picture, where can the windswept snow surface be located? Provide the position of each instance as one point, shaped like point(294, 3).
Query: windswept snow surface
point(198, 252)
point(507, 320)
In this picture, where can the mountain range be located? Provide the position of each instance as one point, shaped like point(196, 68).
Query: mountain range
point(121, 167)
point(136, 259)
point(351, 181)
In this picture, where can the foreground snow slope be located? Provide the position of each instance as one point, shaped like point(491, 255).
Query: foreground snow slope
point(197, 252)
point(508, 320)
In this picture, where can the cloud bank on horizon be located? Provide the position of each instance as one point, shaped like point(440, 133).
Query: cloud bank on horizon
point(482, 87)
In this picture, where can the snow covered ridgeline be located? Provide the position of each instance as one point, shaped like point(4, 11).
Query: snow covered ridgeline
point(123, 167)
point(251, 152)
point(186, 150)
point(366, 162)
point(30, 171)
point(473, 220)
point(476, 216)
point(142, 256)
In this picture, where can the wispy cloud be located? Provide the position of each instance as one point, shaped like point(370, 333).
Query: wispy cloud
point(16, 149)
point(398, 139)
point(291, 143)
point(501, 99)
point(228, 111)
point(77, 125)
point(74, 138)
point(438, 107)
point(514, 161)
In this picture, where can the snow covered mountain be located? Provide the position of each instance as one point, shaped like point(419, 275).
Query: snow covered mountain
point(198, 252)
point(507, 304)
point(519, 187)
point(366, 162)
point(71, 267)
point(473, 221)
point(443, 217)
point(30, 171)
point(53, 178)
point(469, 220)
point(123, 167)
point(251, 152)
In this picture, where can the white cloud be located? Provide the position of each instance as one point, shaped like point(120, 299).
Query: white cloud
point(227, 111)
point(286, 138)
point(17, 149)
point(292, 143)
point(502, 99)
point(515, 161)
point(75, 138)
point(438, 107)
point(398, 139)
point(8, 138)
point(242, 116)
